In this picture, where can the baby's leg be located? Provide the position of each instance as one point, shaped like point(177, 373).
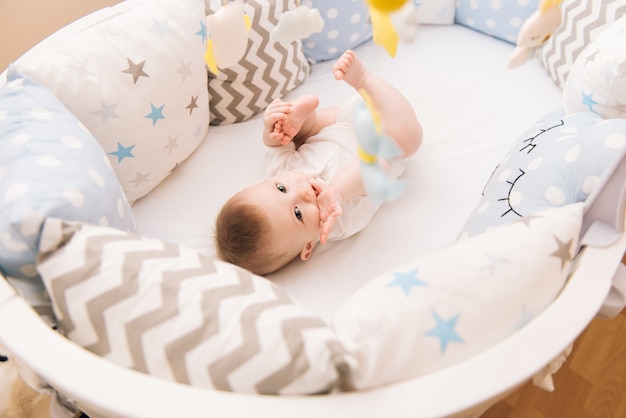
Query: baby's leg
point(397, 114)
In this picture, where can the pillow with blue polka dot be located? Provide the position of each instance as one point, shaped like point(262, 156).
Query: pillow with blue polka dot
point(346, 26)
point(50, 165)
point(558, 161)
point(597, 80)
point(501, 19)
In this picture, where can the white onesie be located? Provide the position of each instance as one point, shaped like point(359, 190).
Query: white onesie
point(322, 156)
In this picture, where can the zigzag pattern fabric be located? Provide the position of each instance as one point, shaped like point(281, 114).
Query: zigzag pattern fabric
point(266, 72)
point(165, 310)
point(582, 22)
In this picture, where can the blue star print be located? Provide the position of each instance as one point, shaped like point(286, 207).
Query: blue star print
point(160, 26)
point(155, 114)
point(202, 31)
point(588, 101)
point(444, 330)
point(123, 152)
point(406, 281)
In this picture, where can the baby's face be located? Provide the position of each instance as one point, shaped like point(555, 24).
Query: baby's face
point(290, 203)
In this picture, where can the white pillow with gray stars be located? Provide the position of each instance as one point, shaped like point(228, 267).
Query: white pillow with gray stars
point(138, 81)
point(450, 305)
point(597, 80)
point(558, 161)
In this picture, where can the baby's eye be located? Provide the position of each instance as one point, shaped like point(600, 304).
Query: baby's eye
point(281, 188)
point(298, 213)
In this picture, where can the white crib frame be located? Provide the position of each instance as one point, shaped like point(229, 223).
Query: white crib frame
point(103, 389)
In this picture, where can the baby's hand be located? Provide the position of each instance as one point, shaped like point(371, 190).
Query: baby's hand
point(273, 117)
point(329, 202)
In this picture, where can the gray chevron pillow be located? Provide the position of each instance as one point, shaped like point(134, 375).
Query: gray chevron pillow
point(165, 310)
point(581, 23)
point(267, 70)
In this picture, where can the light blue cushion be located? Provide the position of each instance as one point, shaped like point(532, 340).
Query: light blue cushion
point(346, 25)
point(501, 19)
point(50, 165)
point(558, 161)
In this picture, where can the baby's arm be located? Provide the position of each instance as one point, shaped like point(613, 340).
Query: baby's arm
point(346, 184)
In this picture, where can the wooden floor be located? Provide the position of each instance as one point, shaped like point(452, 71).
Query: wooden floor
point(591, 384)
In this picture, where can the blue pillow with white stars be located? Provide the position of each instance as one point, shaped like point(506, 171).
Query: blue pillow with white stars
point(558, 161)
point(136, 78)
point(501, 19)
point(597, 80)
point(50, 165)
point(445, 307)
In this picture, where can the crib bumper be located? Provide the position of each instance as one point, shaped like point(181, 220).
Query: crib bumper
point(101, 388)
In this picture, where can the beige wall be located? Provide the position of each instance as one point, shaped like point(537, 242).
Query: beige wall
point(23, 23)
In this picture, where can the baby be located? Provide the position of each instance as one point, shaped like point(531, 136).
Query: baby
point(314, 191)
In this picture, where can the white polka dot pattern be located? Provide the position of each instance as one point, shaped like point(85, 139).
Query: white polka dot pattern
point(346, 25)
point(50, 166)
point(556, 162)
point(142, 93)
point(499, 18)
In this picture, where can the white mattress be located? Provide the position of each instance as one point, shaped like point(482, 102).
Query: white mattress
point(471, 108)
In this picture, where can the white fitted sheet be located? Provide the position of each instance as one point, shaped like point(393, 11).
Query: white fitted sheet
point(471, 108)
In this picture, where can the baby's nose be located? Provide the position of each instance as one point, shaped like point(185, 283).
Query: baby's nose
point(305, 193)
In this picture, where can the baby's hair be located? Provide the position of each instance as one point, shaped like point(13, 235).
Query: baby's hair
point(241, 238)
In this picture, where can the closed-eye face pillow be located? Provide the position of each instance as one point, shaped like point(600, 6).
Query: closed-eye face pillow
point(558, 161)
point(50, 165)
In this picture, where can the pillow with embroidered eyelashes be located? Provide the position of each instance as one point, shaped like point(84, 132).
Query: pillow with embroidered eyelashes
point(558, 161)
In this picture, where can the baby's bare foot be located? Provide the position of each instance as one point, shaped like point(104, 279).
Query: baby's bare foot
point(301, 109)
point(350, 69)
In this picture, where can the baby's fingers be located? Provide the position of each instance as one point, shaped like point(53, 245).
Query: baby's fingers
point(326, 228)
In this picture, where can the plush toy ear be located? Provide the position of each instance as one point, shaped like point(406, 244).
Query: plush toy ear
point(539, 27)
point(535, 31)
point(520, 56)
point(229, 29)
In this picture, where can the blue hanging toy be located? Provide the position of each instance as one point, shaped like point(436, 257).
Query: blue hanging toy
point(374, 145)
